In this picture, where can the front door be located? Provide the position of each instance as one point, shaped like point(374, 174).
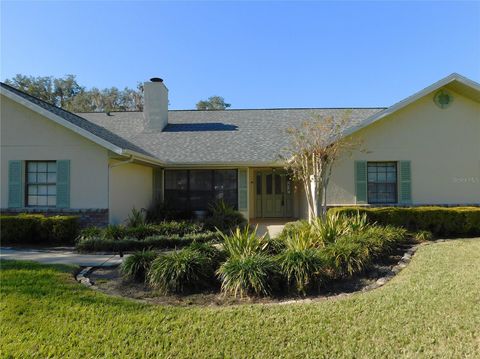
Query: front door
point(273, 194)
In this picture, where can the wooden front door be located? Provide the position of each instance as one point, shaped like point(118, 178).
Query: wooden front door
point(273, 194)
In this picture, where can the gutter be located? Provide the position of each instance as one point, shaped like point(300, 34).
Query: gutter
point(130, 160)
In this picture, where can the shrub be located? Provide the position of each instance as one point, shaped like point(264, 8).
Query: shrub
point(38, 229)
point(251, 274)
point(180, 271)
point(99, 244)
point(19, 229)
point(244, 242)
point(224, 218)
point(214, 254)
point(292, 228)
point(301, 240)
point(136, 218)
point(347, 256)
point(302, 268)
point(355, 252)
point(330, 228)
point(423, 236)
point(115, 232)
point(441, 221)
point(162, 211)
point(178, 227)
point(323, 231)
point(137, 265)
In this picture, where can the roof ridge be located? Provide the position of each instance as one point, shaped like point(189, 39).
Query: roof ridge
point(253, 109)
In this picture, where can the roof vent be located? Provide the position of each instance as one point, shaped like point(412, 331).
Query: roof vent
point(156, 79)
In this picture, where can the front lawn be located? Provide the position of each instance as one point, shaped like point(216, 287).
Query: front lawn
point(431, 309)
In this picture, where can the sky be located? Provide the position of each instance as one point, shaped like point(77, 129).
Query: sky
point(254, 54)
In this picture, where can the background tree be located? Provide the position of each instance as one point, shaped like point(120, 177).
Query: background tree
point(213, 103)
point(65, 92)
point(314, 148)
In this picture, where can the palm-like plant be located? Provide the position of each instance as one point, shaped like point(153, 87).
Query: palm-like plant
point(244, 242)
point(302, 268)
point(137, 265)
point(242, 275)
point(180, 271)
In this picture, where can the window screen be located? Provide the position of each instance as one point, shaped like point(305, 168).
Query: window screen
point(197, 189)
point(41, 184)
point(382, 182)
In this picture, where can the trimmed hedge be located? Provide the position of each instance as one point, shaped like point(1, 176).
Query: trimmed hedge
point(441, 221)
point(116, 232)
point(38, 229)
point(132, 244)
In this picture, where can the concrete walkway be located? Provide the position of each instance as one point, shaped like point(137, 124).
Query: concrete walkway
point(273, 227)
point(61, 257)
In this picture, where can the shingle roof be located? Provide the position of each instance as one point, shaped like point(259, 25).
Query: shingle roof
point(79, 121)
point(218, 137)
point(201, 137)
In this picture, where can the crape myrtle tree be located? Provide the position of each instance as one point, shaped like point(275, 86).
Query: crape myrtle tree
point(314, 147)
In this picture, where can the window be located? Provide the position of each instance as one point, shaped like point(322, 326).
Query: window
point(382, 182)
point(41, 184)
point(197, 189)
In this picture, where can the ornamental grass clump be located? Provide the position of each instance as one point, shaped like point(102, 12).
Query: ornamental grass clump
point(249, 269)
point(181, 271)
point(249, 274)
point(137, 265)
point(224, 218)
point(348, 257)
point(214, 254)
point(302, 269)
point(244, 242)
point(423, 236)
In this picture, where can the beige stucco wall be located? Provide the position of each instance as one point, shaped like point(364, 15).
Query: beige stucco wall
point(443, 146)
point(26, 135)
point(130, 186)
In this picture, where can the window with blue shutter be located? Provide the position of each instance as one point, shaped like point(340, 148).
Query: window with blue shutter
point(361, 181)
point(15, 184)
point(382, 182)
point(405, 182)
point(242, 190)
point(41, 183)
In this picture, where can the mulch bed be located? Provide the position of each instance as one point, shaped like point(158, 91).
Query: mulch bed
point(108, 280)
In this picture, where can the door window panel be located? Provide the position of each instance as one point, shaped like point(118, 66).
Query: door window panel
point(269, 184)
point(278, 184)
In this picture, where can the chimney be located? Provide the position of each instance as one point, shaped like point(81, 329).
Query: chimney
point(155, 108)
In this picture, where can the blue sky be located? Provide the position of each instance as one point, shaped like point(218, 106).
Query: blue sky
point(255, 54)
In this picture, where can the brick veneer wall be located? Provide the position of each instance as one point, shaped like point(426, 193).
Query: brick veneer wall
point(88, 217)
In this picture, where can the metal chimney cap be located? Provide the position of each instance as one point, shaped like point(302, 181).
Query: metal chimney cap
point(156, 79)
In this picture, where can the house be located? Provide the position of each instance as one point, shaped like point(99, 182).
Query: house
point(423, 150)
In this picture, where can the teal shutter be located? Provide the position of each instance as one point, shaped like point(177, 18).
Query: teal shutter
point(361, 181)
point(242, 190)
point(158, 185)
point(63, 184)
point(15, 184)
point(405, 182)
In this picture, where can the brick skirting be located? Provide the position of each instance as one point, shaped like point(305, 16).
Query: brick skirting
point(88, 217)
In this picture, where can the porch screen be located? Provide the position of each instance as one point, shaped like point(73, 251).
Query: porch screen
point(196, 189)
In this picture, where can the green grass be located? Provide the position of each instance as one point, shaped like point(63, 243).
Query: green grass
point(431, 309)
